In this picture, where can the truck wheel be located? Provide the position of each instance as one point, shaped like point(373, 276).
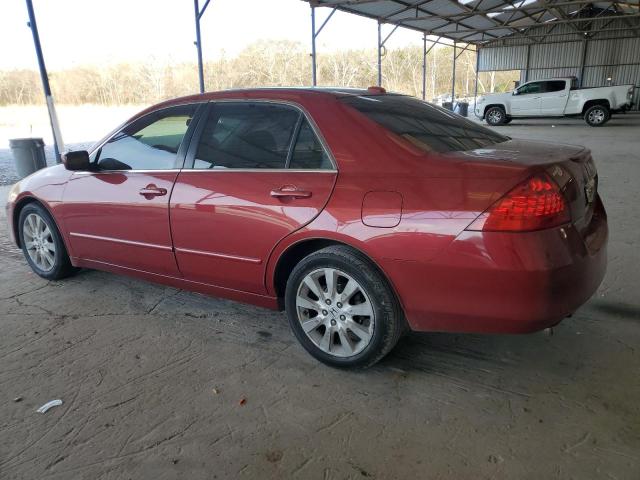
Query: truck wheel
point(495, 116)
point(507, 120)
point(597, 115)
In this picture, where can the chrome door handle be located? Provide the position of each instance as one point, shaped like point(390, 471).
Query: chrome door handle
point(151, 191)
point(290, 191)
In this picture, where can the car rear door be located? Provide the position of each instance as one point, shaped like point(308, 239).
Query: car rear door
point(255, 172)
point(118, 213)
point(553, 98)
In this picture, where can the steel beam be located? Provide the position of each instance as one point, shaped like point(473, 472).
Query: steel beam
point(453, 76)
point(198, 15)
point(58, 144)
point(424, 67)
point(475, 89)
point(314, 35)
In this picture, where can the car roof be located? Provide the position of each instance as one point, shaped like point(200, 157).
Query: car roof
point(267, 93)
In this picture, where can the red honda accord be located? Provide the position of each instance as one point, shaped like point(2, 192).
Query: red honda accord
point(360, 212)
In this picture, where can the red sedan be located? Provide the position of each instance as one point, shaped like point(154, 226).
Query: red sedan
point(361, 213)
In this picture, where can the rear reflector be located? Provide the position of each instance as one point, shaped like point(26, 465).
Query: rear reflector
point(535, 204)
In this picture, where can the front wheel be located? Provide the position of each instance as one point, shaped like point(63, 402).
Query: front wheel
point(495, 116)
point(42, 243)
point(597, 115)
point(342, 309)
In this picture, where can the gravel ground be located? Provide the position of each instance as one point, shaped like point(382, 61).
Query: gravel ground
point(8, 174)
point(161, 383)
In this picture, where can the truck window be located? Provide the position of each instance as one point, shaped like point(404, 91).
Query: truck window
point(534, 87)
point(554, 86)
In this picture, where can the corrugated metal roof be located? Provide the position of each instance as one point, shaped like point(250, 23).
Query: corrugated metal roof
point(483, 22)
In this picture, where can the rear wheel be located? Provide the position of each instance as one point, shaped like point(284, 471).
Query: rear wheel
point(342, 309)
point(495, 116)
point(42, 243)
point(597, 115)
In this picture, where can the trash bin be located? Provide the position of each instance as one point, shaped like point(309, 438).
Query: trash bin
point(28, 155)
point(462, 108)
point(447, 105)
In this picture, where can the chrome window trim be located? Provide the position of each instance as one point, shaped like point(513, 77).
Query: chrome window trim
point(288, 103)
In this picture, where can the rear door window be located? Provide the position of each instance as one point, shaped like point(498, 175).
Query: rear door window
point(246, 136)
point(427, 126)
point(554, 86)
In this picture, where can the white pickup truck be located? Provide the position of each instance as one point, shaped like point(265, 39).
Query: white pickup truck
point(555, 97)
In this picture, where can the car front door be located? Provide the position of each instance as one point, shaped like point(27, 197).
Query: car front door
point(118, 213)
point(554, 96)
point(525, 100)
point(255, 172)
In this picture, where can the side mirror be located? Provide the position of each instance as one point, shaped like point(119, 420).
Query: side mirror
point(515, 92)
point(78, 160)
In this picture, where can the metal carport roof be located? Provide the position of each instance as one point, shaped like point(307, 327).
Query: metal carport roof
point(482, 21)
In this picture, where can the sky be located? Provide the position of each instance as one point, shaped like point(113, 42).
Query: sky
point(94, 32)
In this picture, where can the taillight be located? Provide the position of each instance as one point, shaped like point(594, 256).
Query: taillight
point(535, 204)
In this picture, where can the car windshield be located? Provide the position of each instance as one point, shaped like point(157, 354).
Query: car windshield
point(426, 126)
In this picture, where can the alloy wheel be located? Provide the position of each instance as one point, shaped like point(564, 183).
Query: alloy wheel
point(596, 116)
point(495, 117)
point(39, 242)
point(335, 312)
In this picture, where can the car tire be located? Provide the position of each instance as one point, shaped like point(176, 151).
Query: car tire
point(507, 120)
point(597, 115)
point(42, 243)
point(495, 116)
point(351, 320)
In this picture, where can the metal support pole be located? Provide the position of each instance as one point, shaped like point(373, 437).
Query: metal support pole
point(453, 75)
point(313, 47)
point(475, 91)
point(379, 54)
point(314, 35)
point(424, 66)
point(583, 61)
point(198, 15)
point(58, 144)
point(526, 71)
point(381, 43)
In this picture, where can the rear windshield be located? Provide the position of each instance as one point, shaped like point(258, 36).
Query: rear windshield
point(427, 126)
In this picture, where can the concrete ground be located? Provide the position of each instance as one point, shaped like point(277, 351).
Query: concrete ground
point(160, 383)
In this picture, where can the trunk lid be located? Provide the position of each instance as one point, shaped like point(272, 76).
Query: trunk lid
point(570, 166)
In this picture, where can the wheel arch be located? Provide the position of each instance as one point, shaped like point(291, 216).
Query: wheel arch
point(591, 103)
point(491, 105)
point(19, 206)
point(292, 254)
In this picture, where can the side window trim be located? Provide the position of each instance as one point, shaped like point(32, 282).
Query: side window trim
point(182, 150)
point(204, 115)
point(294, 139)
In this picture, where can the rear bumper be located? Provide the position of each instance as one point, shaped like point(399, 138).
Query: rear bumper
point(490, 282)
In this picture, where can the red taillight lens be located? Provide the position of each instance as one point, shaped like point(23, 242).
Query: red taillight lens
point(535, 204)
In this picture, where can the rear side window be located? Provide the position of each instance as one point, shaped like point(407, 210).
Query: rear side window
point(554, 86)
point(308, 152)
point(427, 126)
point(246, 135)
